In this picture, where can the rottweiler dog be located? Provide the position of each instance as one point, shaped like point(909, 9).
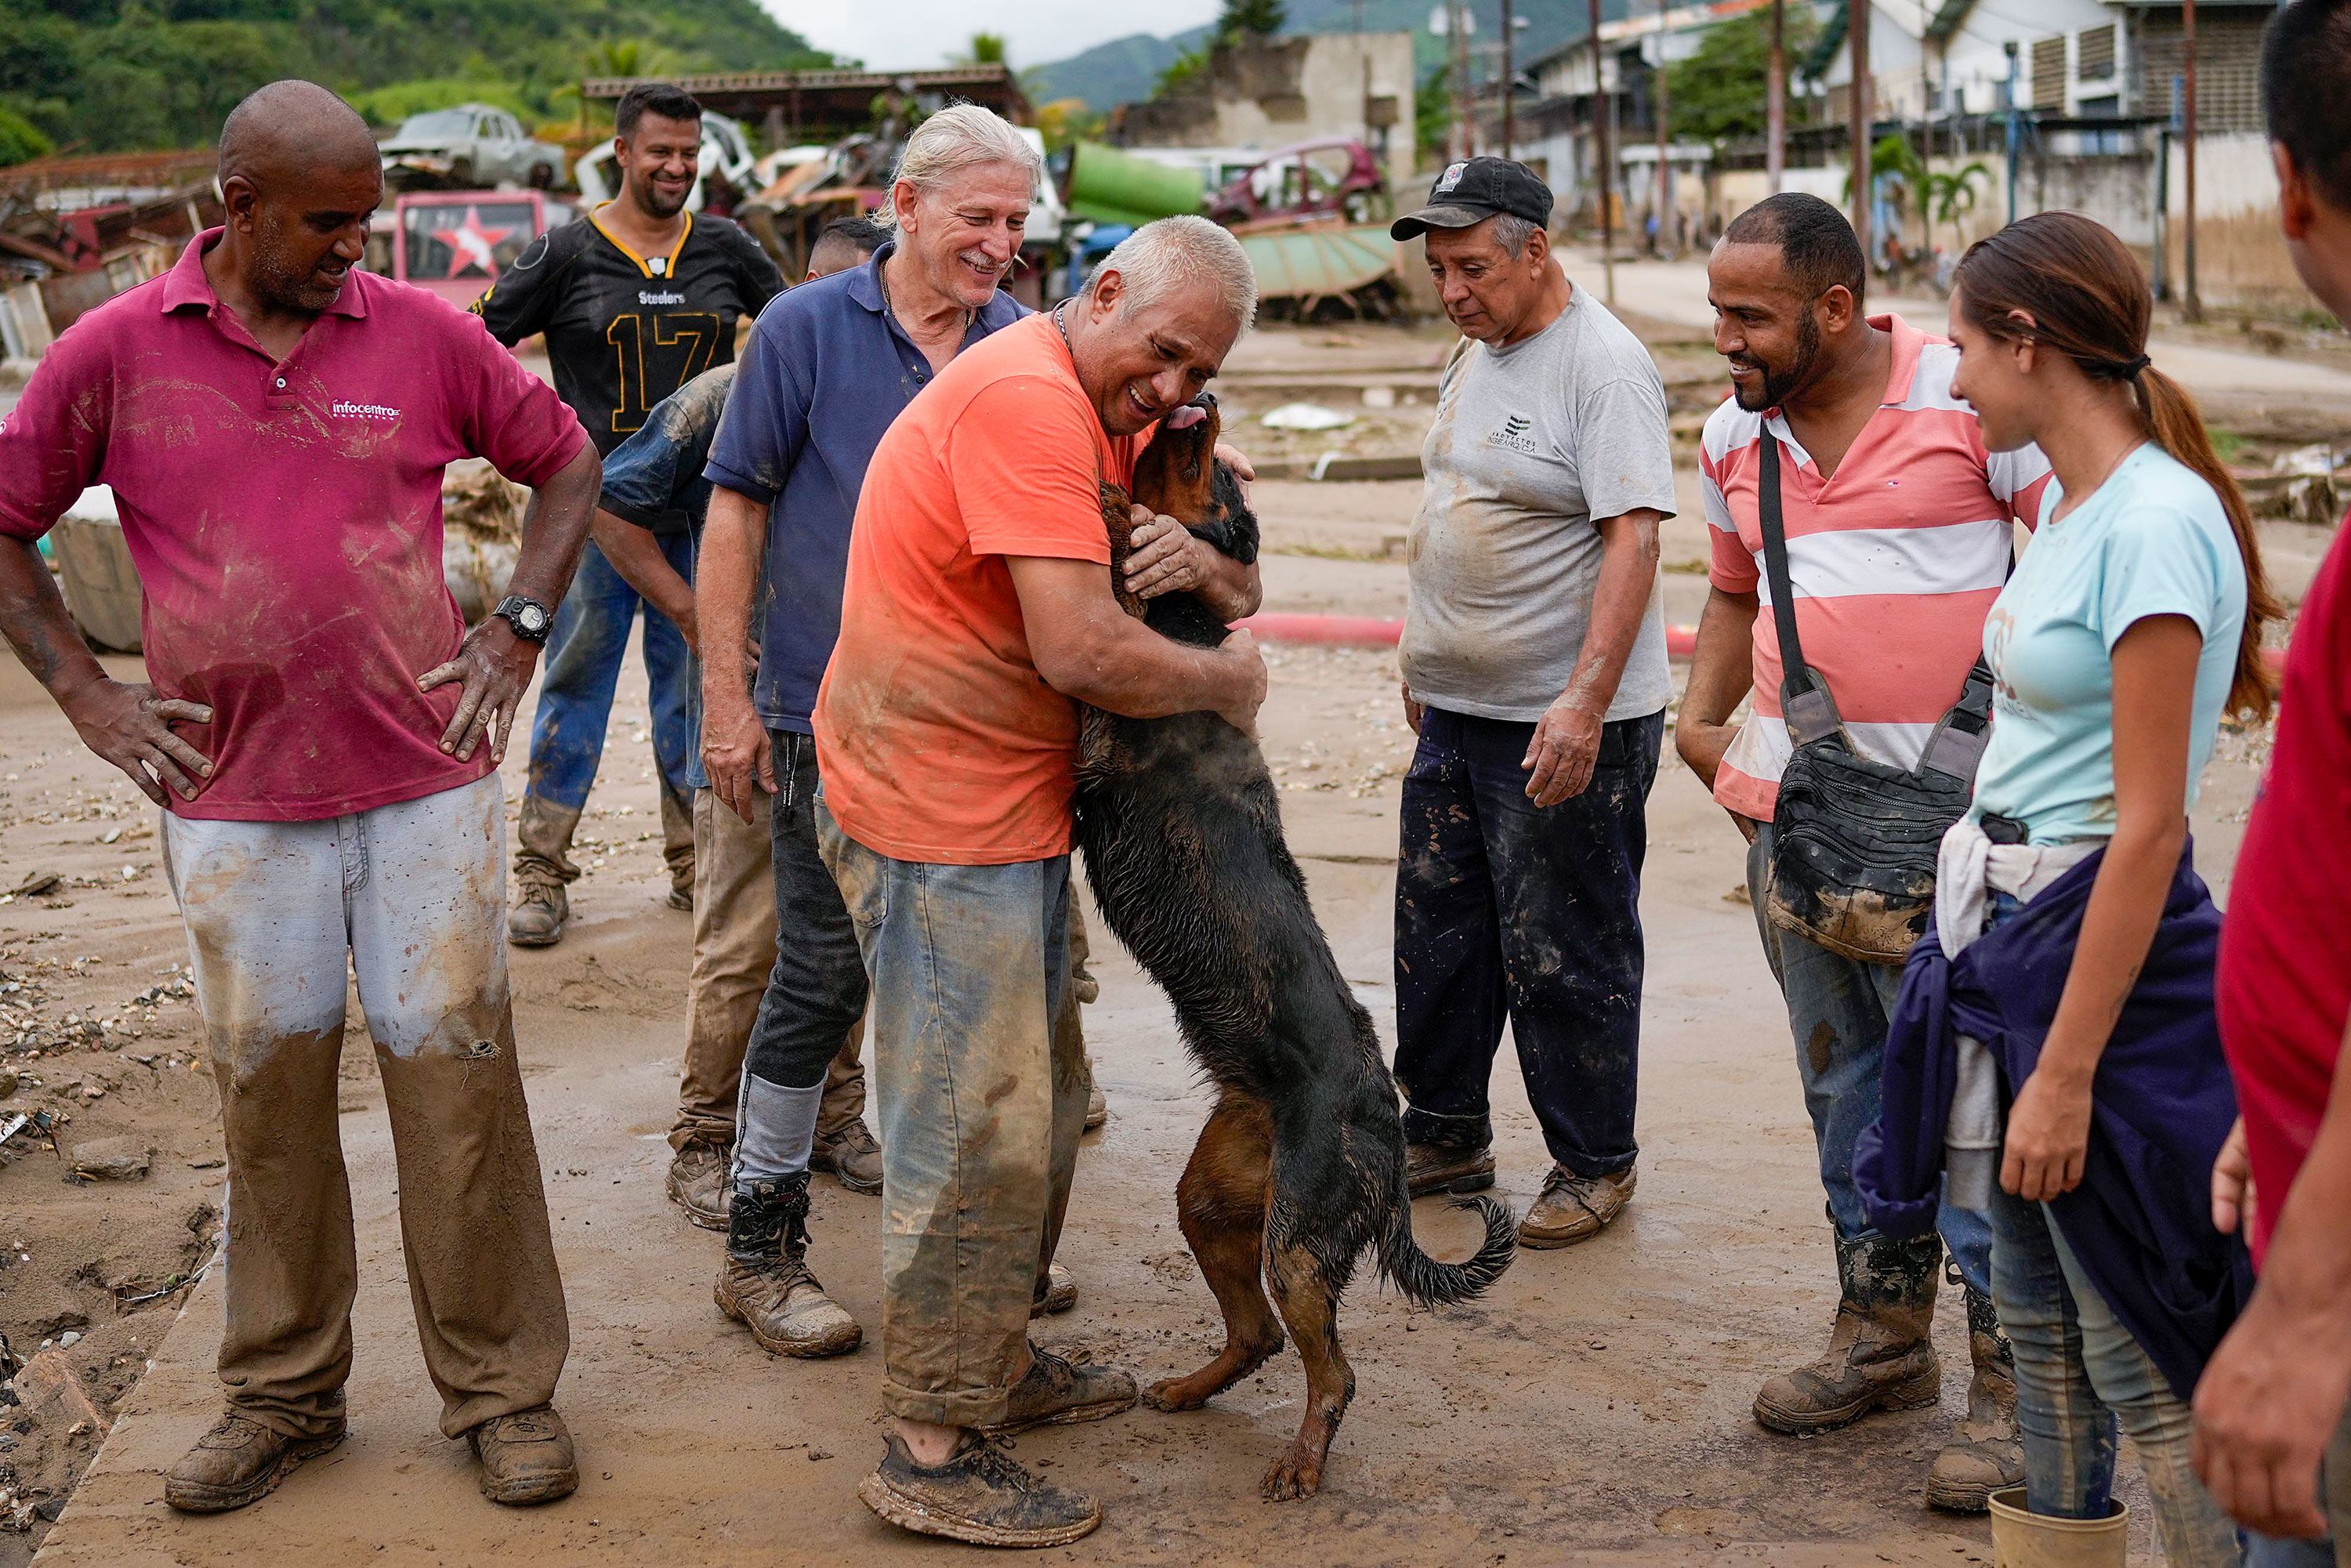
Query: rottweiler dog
point(1301, 1168)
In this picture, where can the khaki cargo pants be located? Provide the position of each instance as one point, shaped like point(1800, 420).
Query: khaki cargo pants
point(412, 898)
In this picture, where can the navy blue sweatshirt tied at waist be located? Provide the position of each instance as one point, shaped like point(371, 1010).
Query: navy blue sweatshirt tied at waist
point(2161, 1107)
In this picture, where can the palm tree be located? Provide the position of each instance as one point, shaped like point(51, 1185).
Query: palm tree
point(1952, 196)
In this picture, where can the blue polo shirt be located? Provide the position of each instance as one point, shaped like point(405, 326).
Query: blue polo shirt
point(805, 455)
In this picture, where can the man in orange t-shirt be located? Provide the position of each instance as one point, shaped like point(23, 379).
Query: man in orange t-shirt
point(978, 614)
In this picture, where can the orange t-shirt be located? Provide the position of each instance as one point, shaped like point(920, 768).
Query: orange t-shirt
point(936, 736)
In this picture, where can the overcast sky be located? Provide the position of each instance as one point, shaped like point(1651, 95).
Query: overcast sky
point(896, 35)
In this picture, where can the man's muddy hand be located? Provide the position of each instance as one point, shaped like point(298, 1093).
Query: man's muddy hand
point(1412, 710)
point(1243, 469)
point(495, 666)
point(1244, 670)
point(1166, 558)
point(126, 723)
point(1560, 758)
point(736, 753)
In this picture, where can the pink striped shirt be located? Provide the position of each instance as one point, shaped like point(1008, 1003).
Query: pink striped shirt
point(1895, 559)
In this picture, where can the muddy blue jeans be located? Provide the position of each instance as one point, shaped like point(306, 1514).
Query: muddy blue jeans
point(584, 650)
point(967, 963)
point(1503, 910)
point(2077, 1371)
point(1837, 1008)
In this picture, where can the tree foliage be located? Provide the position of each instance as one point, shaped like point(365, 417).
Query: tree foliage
point(106, 75)
point(1243, 19)
point(1717, 94)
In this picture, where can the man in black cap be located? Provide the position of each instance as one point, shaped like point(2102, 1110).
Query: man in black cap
point(1534, 673)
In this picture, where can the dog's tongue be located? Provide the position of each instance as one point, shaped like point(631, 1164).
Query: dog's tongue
point(1185, 417)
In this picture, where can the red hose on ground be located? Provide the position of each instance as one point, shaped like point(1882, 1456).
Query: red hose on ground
point(1371, 632)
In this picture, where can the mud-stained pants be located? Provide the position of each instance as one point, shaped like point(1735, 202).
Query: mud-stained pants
point(969, 966)
point(411, 896)
point(733, 949)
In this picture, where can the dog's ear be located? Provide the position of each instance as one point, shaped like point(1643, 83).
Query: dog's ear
point(1234, 529)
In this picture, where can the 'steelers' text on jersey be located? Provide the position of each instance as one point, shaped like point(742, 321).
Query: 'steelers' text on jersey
point(625, 331)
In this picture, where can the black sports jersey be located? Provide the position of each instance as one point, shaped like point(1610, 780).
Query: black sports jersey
point(625, 331)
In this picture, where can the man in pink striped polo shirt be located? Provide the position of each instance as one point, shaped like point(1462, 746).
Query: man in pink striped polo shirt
point(1899, 528)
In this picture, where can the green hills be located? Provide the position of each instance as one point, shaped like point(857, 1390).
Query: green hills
point(96, 76)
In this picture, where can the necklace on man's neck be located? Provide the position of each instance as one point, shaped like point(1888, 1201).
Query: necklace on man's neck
point(1061, 325)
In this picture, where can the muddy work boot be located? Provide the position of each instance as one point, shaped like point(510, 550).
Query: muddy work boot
point(238, 1462)
point(1097, 1106)
point(764, 1283)
point(543, 868)
point(1880, 1356)
point(525, 1457)
point(1056, 1292)
point(698, 1182)
point(1984, 1454)
point(678, 845)
point(1575, 1209)
point(851, 1155)
point(1439, 1168)
point(1060, 1392)
point(981, 1496)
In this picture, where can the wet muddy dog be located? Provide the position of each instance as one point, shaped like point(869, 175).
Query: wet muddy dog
point(1301, 1168)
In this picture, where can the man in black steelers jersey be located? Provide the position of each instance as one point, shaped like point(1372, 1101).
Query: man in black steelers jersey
point(635, 300)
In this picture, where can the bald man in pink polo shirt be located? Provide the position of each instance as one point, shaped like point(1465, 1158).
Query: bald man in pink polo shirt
point(323, 733)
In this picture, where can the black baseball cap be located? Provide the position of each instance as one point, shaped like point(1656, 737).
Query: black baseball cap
point(1471, 193)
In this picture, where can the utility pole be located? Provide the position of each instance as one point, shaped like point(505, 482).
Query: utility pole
point(2192, 306)
point(1599, 112)
point(1463, 122)
point(1509, 119)
point(1856, 29)
point(1775, 101)
point(1665, 169)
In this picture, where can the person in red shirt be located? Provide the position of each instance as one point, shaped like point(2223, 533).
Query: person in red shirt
point(323, 733)
point(2270, 1411)
point(977, 615)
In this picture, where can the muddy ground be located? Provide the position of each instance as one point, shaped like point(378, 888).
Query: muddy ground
point(1593, 1406)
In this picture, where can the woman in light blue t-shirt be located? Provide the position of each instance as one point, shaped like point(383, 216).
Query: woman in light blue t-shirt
point(2132, 623)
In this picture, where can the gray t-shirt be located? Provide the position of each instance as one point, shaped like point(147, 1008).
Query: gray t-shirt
point(1530, 443)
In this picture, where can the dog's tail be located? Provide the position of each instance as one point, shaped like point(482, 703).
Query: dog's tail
point(1430, 1284)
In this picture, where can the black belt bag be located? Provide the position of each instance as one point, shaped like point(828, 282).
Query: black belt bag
point(1853, 841)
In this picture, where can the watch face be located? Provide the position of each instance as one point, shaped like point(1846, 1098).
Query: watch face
point(532, 617)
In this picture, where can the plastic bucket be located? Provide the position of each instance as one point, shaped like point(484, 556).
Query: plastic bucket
point(2022, 1538)
point(95, 570)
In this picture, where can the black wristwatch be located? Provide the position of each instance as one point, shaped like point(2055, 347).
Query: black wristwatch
point(531, 620)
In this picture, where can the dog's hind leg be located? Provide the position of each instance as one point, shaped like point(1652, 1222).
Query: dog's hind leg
point(1309, 1305)
point(1221, 1201)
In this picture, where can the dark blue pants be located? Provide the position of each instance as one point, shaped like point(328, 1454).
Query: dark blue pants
point(1503, 910)
point(583, 665)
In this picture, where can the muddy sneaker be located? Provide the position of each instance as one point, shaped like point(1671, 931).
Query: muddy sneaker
point(1879, 1356)
point(681, 892)
point(981, 1496)
point(539, 910)
point(1575, 1209)
point(1097, 1107)
point(1435, 1167)
point(765, 1282)
point(525, 1457)
point(1058, 1293)
point(699, 1184)
point(238, 1462)
point(1059, 1391)
point(851, 1155)
point(1984, 1454)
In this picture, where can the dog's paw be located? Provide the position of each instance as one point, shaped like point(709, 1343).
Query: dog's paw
point(1173, 1394)
point(1294, 1475)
